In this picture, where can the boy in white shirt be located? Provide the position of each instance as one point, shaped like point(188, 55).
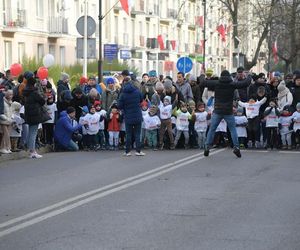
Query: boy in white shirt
point(92, 119)
point(296, 126)
point(182, 124)
point(200, 116)
point(285, 122)
point(48, 126)
point(16, 130)
point(241, 122)
point(102, 113)
point(165, 113)
point(252, 112)
point(152, 124)
point(272, 118)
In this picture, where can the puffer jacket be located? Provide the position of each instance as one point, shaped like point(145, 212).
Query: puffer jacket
point(33, 103)
point(224, 92)
point(129, 101)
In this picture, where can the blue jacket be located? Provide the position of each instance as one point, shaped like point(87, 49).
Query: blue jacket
point(87, 89)
point(129, 101)
point(64, 129)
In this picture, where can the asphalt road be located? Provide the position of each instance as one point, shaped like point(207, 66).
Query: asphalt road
point(165, 200)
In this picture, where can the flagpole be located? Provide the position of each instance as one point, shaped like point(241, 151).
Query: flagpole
point(204, 34)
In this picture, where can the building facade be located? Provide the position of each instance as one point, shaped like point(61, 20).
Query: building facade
point(154, 35)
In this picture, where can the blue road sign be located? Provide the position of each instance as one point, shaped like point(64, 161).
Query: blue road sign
point(184, 64)
point(110, 51)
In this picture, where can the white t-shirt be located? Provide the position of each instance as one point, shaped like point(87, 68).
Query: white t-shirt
point(93, 123)
point(241, 130)
point(252, 109)
point(201, 121)
point(285, 122)
point(151, 122)
point(18, 126)
point(296, 119)
point(271, 119)
point(51, 109)
point(182, 120)
point(165, 111)
point(102, 112)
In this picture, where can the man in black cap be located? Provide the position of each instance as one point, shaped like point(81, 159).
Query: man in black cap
point(223, 108)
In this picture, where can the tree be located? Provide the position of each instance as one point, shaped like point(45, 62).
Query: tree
point(286, 31)
point(262, 15)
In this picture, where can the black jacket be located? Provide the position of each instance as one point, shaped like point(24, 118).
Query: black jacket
point(33, 103)
point(224, 92)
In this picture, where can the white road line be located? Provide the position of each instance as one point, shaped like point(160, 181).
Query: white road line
point(95, 194)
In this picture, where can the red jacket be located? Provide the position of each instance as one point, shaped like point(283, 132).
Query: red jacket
point(113, 123)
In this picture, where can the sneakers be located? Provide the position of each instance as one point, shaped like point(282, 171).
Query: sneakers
point(35, 156)
point(140, 153)
point(237, 152)
point(5, 151)
point(127, 154)
point(206, 151)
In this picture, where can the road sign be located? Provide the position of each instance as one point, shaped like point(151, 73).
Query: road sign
point(91, 25)
point(91, 48)
point(110, 51)
point(184, 64)
point(125, 54)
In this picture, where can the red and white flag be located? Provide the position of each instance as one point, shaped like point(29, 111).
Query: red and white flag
point(125, 6)
point(222, 31)
point(160, 42)
point(275, 52)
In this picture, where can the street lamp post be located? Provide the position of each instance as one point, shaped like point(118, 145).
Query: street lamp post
point(100, 62)
point(204, 33)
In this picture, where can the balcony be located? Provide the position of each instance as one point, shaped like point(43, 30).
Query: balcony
point(13, 22)
point(57, 26)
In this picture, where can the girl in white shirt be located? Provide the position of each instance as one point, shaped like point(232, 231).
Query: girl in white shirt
point(200, 117)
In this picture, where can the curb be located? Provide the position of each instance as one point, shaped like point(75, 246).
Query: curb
point(23, 154)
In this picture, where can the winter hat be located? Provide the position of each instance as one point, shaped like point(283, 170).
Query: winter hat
point(125, 72)
point(152, 73)
point(16, 106)
point(167, 98)
point(114, 105)
point(159, 86)
point(110, 80)
point(77, 90)
point(96, 103)
point(277, 73)
point(225, 73)
point(64, 76)
point(85, 109)
point(261, 75)
point(70, 110)
point(209, 72)
point(298, 105)
point(83, 80)
point(193, 78)
point(297, 77)
point(28, 74)
point(168, 84)
point(296, 72)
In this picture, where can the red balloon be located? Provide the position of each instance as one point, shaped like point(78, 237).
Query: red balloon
point(42, 73)
point(16, 69)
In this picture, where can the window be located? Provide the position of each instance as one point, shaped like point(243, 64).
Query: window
point(62, 55)
point(8, 54)
point(52, 50)
point(40, 51)
point(39, 8)
point(21, 51)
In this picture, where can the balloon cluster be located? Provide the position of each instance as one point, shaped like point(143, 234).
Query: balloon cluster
point(48, 60)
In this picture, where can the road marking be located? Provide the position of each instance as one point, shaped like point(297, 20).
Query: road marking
point(64, 206)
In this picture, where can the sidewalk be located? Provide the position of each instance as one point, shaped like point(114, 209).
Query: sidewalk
point(23, 154)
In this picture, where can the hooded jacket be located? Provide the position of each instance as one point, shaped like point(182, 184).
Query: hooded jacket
point(64, 129)
point(129, 101)
point(33, 103)
point(224, 92)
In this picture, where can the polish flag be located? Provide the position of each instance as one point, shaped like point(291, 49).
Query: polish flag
point(125, 6)
point(160, 42)
point(222, 31)
point(173, 43)
point(275, 51)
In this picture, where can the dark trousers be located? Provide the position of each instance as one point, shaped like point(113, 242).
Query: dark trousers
point(272, 136)
point(91, 141)
point(48, 130)
point(133, 130)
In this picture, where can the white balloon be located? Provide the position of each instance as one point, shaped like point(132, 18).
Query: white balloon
point(48, 60)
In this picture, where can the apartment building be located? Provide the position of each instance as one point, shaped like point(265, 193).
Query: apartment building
point(154, 35)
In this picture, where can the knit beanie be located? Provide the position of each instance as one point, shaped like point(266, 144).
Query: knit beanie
point(168, 84)
point(159, 86)
point(64, 76)
point(192, 78)
point(281, 87)
point(298, 105)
